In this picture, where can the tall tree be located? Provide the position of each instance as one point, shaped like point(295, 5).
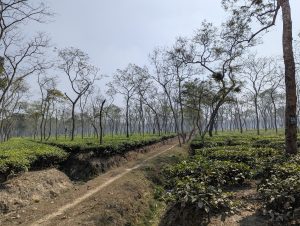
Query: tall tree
point(264, 14)
point(258, 72)
point(80, 73)
point(20, 56)
point(217, 52)
point(125, 82)
point(164, 75)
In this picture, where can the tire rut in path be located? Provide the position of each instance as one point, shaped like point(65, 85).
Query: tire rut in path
point(46, 219)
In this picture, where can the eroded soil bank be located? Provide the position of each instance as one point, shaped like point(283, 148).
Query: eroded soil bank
point(85, 166)
point(32, 187)
point(128, 200)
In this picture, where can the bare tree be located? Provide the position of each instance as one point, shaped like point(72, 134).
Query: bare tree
point(15, 13)
point(83, 101)
point(81, 75)
point(11, 106)
point(258, 72)
point(148, 95)
point(165, 77)
point(275, 86)
point(101, 113)
point(21, 57)
point(125, 83)
point(182, 72)
point(45, 83)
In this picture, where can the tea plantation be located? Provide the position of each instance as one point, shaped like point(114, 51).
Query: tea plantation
point(20, 155)
point(229, 161)
point(111, 146)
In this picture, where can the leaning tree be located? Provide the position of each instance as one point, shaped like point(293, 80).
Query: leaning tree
point(218, 52)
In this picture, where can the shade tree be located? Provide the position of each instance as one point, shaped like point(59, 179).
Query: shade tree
point(81, 75)
point(257, 17)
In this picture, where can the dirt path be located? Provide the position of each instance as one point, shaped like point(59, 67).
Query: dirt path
point(60, 211)
point(248, 214)
point(77, 205)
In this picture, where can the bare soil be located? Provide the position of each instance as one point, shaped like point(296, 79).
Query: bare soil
point(85, 166)
point(32, 187)
point(249, 213)
point(123, 196)
point(119, 197)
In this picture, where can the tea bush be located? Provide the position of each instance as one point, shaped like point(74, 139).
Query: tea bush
point(231, 159)
point(18, 155)
point(281, 196)
point(111, 146)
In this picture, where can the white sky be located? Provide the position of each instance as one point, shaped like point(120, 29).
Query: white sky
point(117, 32)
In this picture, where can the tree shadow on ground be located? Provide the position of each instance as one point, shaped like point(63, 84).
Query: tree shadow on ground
point(255, 219)
point(187, 216)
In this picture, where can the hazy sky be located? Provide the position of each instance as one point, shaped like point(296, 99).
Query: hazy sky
point(117, 32)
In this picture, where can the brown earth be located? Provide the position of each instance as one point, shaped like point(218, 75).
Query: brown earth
point(121, 196)
point(32, 187)
point(85, 166)
point(248, 214)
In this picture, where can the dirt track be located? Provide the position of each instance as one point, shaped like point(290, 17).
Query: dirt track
point(82, 204)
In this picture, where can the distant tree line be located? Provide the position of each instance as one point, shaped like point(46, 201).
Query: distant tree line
point(201, 84)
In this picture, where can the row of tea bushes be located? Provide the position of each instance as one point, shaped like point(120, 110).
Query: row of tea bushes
point(19, 155)
point(223, 161)
point(114, 146)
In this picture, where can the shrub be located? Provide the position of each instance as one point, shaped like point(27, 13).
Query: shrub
point(206, 198)
point(229, 173)
point(213, 173)
point(110, 148)
point(221, 161)
point(281, 196)
point(18, 155)
point(280, 189)
point(244, 154)
point(261, 143)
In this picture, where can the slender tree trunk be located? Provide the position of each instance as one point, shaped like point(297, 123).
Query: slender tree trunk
point(50, 128)
point(100, 121)
point(41, 126)
point(212, 122)
point(82, 124)
point(183, 135)
point(290, 81)
point(35, 129)
point(210, 125)
point(256, 114)
point(95, 131)
point(175, 117)
point(158, 124)
point(239, 116)
point(64, 124)
point(46, 119)
point(73, 121)
point(127, 118)
point(56, 127)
